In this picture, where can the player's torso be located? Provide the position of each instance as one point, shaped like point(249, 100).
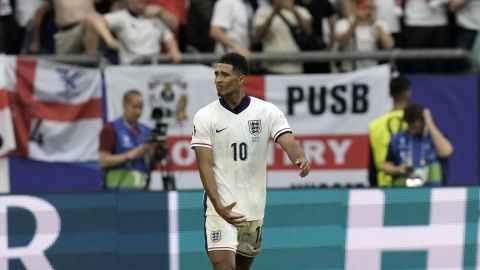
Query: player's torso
point(240, 140)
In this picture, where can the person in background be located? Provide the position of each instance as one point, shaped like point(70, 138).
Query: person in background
point(272, 26)
point(322, 11)
point(364, 32)
point(72, 36)
point(10, 34)
point(172, 16)
point(229, 27)
point(199, 15)
point(381, 129)
point(391, 12)
point(123, 147)
point(139, 31)
point(467, 20)
point(426, 26)
point(230, 138)
point(414, 155)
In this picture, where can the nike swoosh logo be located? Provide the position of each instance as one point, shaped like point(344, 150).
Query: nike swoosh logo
point(219, 130)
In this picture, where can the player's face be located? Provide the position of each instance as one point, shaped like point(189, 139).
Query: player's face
point(227, 80)
point(133, 109)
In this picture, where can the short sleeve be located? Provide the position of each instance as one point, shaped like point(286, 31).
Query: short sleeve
point(107, 139)
point(221, 15)
point(201, 134)
point(279, 124)
point(115, 20)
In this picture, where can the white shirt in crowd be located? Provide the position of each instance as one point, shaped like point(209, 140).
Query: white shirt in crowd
point(279, 39)
point(239, 141)
point(5, 8)
point(365, 39)
point(138, 36)
point(25, 10)
point(468, 16)
point(426, 13)
point(233, 16)
point(390, 13)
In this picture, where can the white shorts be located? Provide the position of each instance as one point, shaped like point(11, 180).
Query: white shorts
point(222, 235)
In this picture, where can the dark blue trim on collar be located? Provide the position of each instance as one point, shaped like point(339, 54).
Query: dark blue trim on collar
point(240, 108)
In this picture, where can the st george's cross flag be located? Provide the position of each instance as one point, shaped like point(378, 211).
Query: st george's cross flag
point(7, 136)
point(56, 109)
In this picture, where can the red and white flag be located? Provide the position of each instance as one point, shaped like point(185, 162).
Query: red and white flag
point(7, 136)
point(56, 109)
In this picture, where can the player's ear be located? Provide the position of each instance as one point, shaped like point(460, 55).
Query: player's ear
point(241, 79)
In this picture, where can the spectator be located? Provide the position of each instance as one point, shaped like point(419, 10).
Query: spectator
point(139, 30)
point(24, 14)
point(414, 155)
point(172, 13)
point(123, 147)
point(426, 26)
point(390, 12)
point(272, 26)
point(10, 39)
point(41, 30)
point(230, 27)
point(346, 8)
point(322, 11)
point(381, 129)
point(362, 33)
point(175, 16)
point(467, 18)
point(199, 16)
point(72, 36)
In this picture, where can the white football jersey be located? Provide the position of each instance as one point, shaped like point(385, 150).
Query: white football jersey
point(239, 141)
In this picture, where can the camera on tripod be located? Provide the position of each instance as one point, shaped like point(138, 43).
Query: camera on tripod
point(159, 136)
point(160, 148)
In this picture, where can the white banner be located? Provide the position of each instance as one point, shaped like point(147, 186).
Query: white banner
point(329, 115)
point(164, 86)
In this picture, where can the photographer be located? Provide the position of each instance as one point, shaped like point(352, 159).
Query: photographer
point(414, 155)
point(124, 149)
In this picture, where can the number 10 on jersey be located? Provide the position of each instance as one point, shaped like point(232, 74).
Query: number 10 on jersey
point(239, 151)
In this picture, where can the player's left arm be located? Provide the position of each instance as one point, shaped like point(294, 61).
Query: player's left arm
point(295, 153)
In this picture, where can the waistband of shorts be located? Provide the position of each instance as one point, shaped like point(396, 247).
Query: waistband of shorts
point(67, 26)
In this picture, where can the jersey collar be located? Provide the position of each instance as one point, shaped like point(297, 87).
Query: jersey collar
point(240, 108)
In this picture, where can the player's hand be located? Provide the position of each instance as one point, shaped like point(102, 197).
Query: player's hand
point(227, 213)
point(304, 165)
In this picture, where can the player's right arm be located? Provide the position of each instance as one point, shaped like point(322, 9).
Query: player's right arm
point(205, 164)
point(202, 144)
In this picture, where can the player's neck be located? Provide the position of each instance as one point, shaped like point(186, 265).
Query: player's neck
point(234, 99)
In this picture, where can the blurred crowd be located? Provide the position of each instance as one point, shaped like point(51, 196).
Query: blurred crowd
point(129, 31)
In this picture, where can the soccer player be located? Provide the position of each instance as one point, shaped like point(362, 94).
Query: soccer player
point(230, 138)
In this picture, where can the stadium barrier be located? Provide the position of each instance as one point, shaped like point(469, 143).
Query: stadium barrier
point(304, 229)
point(392, 56)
